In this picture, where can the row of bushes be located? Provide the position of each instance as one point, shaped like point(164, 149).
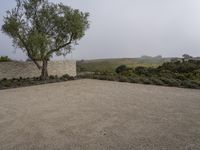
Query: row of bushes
point(20, 82)
point(176, 70)
point(171, 67)
point(179, 74)
point(181, 67)
point(145, 80)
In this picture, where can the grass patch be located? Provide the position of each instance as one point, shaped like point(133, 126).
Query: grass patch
point(110, 65)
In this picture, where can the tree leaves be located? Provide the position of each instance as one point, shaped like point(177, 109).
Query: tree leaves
point(41, 28)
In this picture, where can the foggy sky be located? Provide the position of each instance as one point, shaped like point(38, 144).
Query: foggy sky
point(129, 28)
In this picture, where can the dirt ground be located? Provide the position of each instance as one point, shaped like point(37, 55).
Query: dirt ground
point(99, 115)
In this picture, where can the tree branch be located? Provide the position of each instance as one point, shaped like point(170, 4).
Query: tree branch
point(61, 46)
point(28, 52)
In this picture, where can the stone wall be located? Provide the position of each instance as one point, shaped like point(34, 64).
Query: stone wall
point(28, 69)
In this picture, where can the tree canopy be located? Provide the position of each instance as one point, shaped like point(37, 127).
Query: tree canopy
point(42, 29)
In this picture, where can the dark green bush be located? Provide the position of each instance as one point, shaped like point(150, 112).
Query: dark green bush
point(134, 80)
point(144, 71)
point(146, 80)
point(66, 76)
point(166, 74)
point(170, 81)
point(190, 84)
point(6, 83)
point(181, 67)
point(121, 69)
point(180, 77)
point(123, 79)
point(156, 81)
point(19, 82)
point(128, 73)
point(141, 70)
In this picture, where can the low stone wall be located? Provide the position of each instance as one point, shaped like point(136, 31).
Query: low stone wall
point(28, 69)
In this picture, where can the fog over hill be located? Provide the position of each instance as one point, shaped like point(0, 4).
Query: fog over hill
point(129, 28)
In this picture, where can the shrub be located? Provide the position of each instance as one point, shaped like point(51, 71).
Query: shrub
point(71, 78)
point(127, 73)
point(123, 79)
point(166, 74)
point(134, 80)
point(156, 81)
point(141, 70)
point(66, 76)
point(181, 67)
point(145, 81)
point(190, 84)
point(180, 77)
point(170, 81)
point(121, 69)
point(6, 83)
point(146, 71)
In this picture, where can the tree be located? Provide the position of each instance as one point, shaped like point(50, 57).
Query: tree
point(186, 57)
point(42, 29)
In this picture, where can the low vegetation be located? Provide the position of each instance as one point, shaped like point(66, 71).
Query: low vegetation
point(178, 74)
point(4, 59)
point(22, 82)
point(109, 65)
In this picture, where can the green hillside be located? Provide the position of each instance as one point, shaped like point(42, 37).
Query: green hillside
point(110, 64)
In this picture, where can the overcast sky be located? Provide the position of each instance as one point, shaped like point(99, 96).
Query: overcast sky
point(129, 28)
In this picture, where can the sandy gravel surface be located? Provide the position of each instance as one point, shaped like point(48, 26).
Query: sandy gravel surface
point(99, 115)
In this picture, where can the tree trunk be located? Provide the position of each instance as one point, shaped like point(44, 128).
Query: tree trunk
point(44, 73)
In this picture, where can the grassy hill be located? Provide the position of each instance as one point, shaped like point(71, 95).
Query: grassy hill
point(111, 64)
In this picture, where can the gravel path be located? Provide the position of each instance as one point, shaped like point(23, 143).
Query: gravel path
point(99, 115)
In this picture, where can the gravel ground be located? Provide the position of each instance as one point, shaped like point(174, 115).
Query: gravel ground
point(99, 115)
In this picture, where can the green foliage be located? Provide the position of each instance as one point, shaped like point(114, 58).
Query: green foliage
point(123, 79)
point(4, 59)
point(110, 65)
point(181, 67)
point(124, 71)
point(121, 69)
point(145, 71)
point(42, 29)
point(20, 82)
point(163, 75)
point(190, 84)
point(67, 77)
point(146, 80)
point(134, 80)
point(157, 81)
point(141, 70)
point(170, 81)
